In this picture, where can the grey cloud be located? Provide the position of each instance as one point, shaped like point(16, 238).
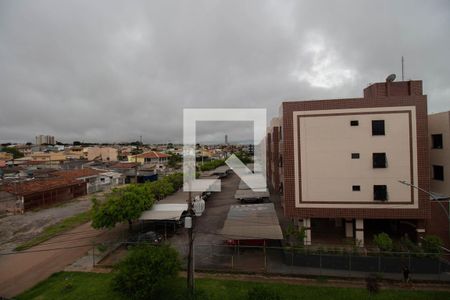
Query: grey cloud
point(115, 70)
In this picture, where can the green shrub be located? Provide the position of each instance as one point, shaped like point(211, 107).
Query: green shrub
point(383, 241)
point(432, 244)
point(146, 272)
point(211, 165)
point(262, 293)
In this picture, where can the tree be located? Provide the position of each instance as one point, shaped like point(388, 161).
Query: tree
point(125, 204)
point(13, 150)
point(383, 241)
point(174, 160)
point(211, 165)
point(160, 188)
point(146, 272)
point(432, 244)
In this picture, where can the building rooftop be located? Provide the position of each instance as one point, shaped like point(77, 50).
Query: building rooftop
point(41, 185)
point(152, 154)
point(79, 173)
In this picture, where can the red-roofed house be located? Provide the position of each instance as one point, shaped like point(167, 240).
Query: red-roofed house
point(157, 159)
point(43, 192)
point(96, 180)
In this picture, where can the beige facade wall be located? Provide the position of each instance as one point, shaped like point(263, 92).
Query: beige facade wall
point(103, 153)
point(328, 171)
point(440, 124)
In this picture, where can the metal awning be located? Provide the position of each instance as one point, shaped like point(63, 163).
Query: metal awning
point(221, 169)
point(252, 222)
point(151, 215)
point(179, 197)
point(167, 212)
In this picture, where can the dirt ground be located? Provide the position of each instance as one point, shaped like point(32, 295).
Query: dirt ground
point(16, 229)
point(22, 270)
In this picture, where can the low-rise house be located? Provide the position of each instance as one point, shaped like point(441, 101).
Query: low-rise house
point(48, 156)
point(6, 156)
point(101, 153)
point(32, 194)
point(89, 176)
point(8, 202)
point(95, 180)
point(152, 158)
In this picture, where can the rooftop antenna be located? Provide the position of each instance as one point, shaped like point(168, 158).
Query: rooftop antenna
point(403, 69)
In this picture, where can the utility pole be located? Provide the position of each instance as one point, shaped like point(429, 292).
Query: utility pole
point(135, 161)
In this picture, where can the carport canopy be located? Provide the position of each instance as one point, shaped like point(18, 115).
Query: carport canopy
point(164, 212)
point(252, 222)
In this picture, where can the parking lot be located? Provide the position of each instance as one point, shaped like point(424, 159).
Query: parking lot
point(208, 226)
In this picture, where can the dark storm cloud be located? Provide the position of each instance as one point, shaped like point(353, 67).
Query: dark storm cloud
point(115, 70)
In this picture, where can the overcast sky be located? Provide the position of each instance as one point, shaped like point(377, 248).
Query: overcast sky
point(114, 70)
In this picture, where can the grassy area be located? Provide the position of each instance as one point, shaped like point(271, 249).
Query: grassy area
point(55, 229)
point(72, 285)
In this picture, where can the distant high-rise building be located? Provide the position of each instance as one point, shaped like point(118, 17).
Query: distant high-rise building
point(226, 139)
point(45, 139)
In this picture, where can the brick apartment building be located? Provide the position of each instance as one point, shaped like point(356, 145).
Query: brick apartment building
point(439, 135)
point(339, 162)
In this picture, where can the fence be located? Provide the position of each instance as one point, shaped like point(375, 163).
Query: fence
point(299, 262)
point(288, 261)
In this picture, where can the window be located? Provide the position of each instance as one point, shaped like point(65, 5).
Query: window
point(356, 188)
point(280, 163)
point(377, 127)
point(380, 192)
point(354, 123)
point(379, 160)
point(281, 133)
point(438, 172)
point(355, 155)
point(436, 140)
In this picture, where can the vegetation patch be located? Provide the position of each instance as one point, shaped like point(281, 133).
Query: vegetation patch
point(95, 286)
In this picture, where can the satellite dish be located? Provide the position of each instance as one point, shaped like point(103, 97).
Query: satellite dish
point(390, 78)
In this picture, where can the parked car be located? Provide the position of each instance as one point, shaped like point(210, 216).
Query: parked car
point(150, 237)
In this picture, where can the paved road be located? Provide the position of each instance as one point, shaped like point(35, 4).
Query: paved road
point(208, 226)
point(22, 270)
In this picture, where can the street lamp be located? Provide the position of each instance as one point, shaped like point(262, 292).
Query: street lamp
point(435, 197)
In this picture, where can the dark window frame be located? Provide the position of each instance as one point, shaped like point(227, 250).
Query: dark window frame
point(378, 127)
point(356, 188)
point(437, 141)
point(379, 160)
point(354, 123)
point(380, 192)
point(355, 155)
point(438, 172)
